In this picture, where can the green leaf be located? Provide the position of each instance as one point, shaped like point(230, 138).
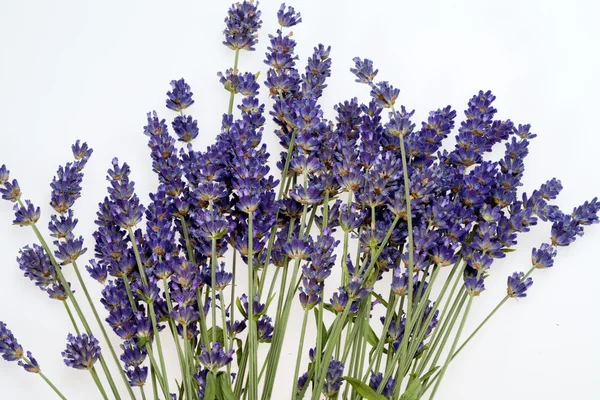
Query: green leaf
point(421, 352)
point(224, 386)
point(219, 335)
point(507, 250)
point(428, 374)
point(364, 390)
point(238, 352)
point(180, 389)
point(258, 315)
point(371, 337)
point(240, 307)
point(329, 308)
point(414, 390)
point(381, 299)
point(210, 391)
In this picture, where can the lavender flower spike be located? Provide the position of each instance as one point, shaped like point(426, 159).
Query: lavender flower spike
point(82, 351)
point(516, 286)
point(288, 18)
point(242, 24)
point(216, 357)
point(11, 350)
point(181, 97)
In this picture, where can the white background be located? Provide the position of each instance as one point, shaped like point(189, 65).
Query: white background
point(91, 70)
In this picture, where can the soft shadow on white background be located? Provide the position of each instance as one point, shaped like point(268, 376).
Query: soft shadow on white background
point(91, 70)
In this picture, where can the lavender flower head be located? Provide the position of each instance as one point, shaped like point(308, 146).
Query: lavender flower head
point(241, 26)
point(82, 351)
point(516, 286)
point(288, 18)
point(180, 97)
point(216, 357)
point(11, 350)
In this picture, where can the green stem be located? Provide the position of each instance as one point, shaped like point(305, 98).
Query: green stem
point(68, 309)
point(231, 304)
point(143, 393)
point(386, 325)
point(437, 332)
point(98, 383)
point(140, 266)
point(490, 315)
point(454, 344)
point(213, 278)
point(232, 94)
point(81, 316)
point(300, 348)
point(252, 334)
point(187, 361)
point(454, 313)
point(153, 379)
point(59, 394)
point(335, 333)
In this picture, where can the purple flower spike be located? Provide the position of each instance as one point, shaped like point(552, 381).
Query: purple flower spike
point(186, 128)
point(10, 349)
point(388, 389)
point(216, 357)
point(241, 26)
point(474, 286)
point(180, 97)
point(587, 213)
point(516, 286)
point(384, 94)
point(333, 379)
point(11, 190)
point(288, 18)
point(81, 153)
point(82, 351)
point(26, 215)
point(544, 256)
point(31, 366)
point(364, 71)
point(4, 174)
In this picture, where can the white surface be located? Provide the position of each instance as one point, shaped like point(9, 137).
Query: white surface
point(91, 70)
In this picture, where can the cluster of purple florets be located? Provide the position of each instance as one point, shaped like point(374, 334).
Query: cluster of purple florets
point(160, 265)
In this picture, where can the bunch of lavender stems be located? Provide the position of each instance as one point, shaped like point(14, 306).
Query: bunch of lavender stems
point(419, 217)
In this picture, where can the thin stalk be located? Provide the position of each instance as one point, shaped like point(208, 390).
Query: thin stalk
point(213, 278)
point(300, 348)
point(252, 334)
point(319, 336)
point(490, 315)
point(58, 393)
point(188, 243)
point(462, 296)
point(232, 94)
point(148, 345)
point(142, 392)
point(98, 383)
point(153, 378)
point(231, 304)
point(437, 332)
point(335, 332)
point(174, 328)
point(161, 357)
point(380, 343)
point(454, 344)
point(421, 333)
point(188, 358)
point(68, 309)
point(82, 318)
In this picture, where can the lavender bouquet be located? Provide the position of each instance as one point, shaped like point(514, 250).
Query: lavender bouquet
point(414, 229)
